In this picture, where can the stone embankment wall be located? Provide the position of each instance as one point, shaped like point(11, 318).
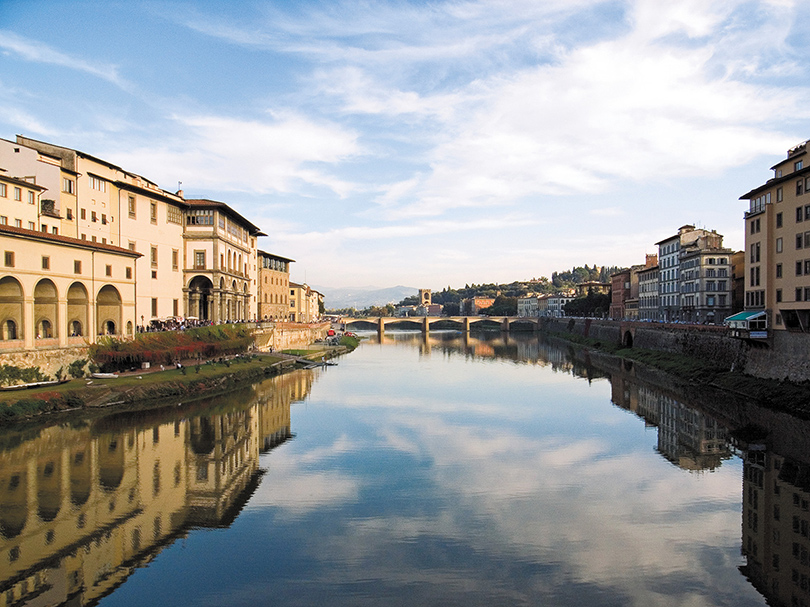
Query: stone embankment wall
point(285, 336)
point(280, 336)
point(48, 360)
point(787, 357)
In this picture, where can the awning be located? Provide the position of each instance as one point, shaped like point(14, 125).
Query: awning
point(747, 315)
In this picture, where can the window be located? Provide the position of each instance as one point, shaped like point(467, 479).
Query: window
point(93, 216)
point(18, 223)
point(798, 268)
point(46, 262)
point(798, 294)
point(797, 166)
point(755, 252)
point(17, 194)
point(199, 260)
point(778, 295)
point(200, 218)
point(3, 220)
point(173, 215)
point(3, 190)
point(131, 245)
point(175, 308)
point(108, 270)
point(799, 240)
point(153, 256)
point(9, 259)
point(103, 219)
point(779, 270)
point(800, 187)
point(154, 306)
point(98, 184)
point(82, 213)
point(31, 198)
point(54, 230)
point(779, 220)
point(807, 267)
point(131, 206)
point(69, 214)
point(129, 272)
point(779, 245)
point(755, 226)
point(778, 194)
point(175, 258)
point(153, 212)
point(68, 185)
point(77, 266)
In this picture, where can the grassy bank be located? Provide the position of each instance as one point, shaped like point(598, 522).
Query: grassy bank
point(774, 394)
point(189, 382)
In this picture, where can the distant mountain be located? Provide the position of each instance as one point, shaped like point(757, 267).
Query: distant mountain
point(363, 297)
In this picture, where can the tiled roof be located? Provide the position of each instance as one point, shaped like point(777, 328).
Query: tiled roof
point(65, 240)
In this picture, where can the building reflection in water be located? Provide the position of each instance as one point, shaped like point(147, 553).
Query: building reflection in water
point(83, 505)
point(776, 525)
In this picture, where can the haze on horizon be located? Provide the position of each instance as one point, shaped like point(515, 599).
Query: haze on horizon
point(426, 143)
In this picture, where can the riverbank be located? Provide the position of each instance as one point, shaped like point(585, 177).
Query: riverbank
point(152, 387)
point(710, 373)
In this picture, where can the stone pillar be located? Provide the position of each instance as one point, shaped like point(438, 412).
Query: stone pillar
point(466, 324)
point(28, 329)
point(381, 326)
point(426, 325)
point(61, 328)
point(505, 324)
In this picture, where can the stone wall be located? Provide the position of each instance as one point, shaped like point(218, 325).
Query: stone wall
point(786, 357)
point(49, 360)
point(285, 336)
point(281, 336)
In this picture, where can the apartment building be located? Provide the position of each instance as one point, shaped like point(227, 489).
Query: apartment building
point(619, 293)
point(777, 244)
point(274, 286)
point(648, 293)
point(527, 306)
point(305, 303)
point(697, 296)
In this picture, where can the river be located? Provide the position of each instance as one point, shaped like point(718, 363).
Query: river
point(441, 470)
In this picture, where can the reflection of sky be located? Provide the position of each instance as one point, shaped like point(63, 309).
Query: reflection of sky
point(418, 480)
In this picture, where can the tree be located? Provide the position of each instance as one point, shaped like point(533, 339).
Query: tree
point(502, 306)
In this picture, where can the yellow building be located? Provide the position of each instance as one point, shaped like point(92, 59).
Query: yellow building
point(57, 291)
point(305, 303)
point(199, 257)
point(777, 245)
point(274, 286)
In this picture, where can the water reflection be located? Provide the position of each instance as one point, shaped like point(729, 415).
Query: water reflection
point(447, 469)
point(84, 504)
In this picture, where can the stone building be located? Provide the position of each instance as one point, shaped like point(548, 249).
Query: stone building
point(274, 286)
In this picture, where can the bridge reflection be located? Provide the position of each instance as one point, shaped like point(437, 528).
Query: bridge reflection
point(83, 505)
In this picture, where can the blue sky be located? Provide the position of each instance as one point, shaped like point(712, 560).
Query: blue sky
point(426, 143)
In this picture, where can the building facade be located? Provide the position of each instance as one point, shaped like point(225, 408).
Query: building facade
point(198, 257)
point(777, 244)
point(274, 286)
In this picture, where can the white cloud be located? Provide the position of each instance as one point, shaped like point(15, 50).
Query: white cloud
point(38, 52)
point(227, 154)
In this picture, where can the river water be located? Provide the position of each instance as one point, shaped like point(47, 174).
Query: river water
point(447, 470)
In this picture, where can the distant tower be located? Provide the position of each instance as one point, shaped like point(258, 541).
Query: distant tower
point(425, 298)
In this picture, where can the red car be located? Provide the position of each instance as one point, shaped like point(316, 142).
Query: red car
point(330, 332)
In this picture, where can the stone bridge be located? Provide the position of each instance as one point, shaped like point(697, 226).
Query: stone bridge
point(463, 323)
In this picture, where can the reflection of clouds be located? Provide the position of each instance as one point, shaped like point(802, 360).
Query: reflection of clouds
point(292, 485)
point(579, 514)
point(465, 498)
